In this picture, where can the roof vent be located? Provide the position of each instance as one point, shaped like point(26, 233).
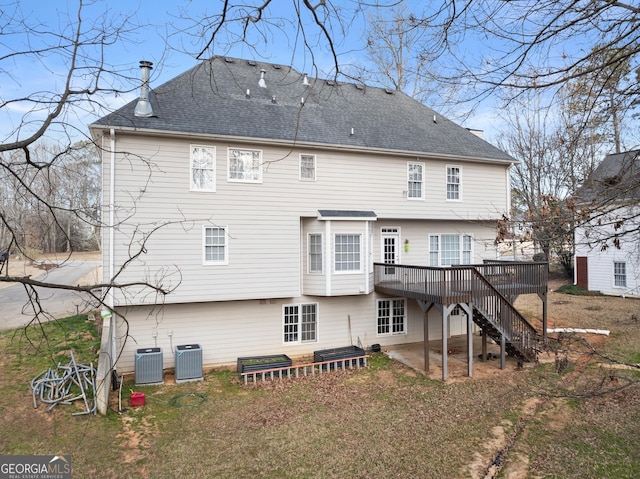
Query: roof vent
point(273, 99)
point(305, 80)
point(228, 60)
point(252, 63)
point(143, 108)
point(359, 87)
point(261, 82)
point(277, 67)
point(331, 82)
point(388, 92)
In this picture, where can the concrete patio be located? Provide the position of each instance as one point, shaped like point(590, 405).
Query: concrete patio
point(412, 355)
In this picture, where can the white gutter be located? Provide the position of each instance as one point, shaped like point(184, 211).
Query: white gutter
point(508, 185)
point(303, 144)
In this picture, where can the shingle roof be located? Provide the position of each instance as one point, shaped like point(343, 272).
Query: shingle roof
point(211, 99)
point(617, 178)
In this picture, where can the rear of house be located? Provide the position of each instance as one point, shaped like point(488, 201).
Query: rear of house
point(263, 206)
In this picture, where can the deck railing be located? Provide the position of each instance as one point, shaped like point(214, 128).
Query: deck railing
point(452, 284)
point(491, 287)
point(502, 316)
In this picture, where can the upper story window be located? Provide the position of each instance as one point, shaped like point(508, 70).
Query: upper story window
point(347, 253)
point(620, 274)
point(308, 167)
point(315, 253)
point(453, 182)
point(450, 249)
point(245, 165)
point(203, 172)
point(215, 245)
point(415, 180)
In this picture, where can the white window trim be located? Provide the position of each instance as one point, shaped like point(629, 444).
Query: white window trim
point(322, 252)
point(204, 246)
point(191, 185)
point(299, 341)
point(236, 180)
point(406, 320)
point(423, 187)
point(387, 231)
point(446, 192)
point(626, 275)
point(315, 171)
point(461, 250)
point(350, 271)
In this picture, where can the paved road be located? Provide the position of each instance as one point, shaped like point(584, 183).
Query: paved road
point(15, 311)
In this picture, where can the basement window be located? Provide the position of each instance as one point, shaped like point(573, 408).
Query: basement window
point(392, 317)
point(300, 323)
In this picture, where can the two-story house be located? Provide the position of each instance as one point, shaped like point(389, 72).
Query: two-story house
point(273, 204)
point(607, 253)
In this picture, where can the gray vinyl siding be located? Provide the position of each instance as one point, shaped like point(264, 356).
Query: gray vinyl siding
point(265, 244)
point(232, 329)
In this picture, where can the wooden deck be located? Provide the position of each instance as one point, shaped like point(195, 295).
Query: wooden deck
point(456, 284)
point(486, 292)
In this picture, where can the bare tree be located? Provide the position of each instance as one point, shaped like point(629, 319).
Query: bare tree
point(482, 43)
point(598, 101)
point(399, 58)
point(540, 180)
point(44, 150)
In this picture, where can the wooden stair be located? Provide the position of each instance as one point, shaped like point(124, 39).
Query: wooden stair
point(498, 317)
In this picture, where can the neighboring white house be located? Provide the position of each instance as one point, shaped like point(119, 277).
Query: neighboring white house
point(607, 257)
point(271, 195)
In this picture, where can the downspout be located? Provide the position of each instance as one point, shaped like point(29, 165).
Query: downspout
point(112, 207)
point(107, 345)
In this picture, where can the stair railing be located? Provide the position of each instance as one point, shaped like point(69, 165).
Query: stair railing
point(503, 316)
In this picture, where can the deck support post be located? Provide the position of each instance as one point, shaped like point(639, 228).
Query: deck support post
point(469, 341)
point(543, 297)
point(484, 344)
point(426, 307)
point(503, 348)
point(427, 366)
point(445, 346)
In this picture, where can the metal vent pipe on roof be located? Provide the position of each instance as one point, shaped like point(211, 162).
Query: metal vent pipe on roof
point(143, 107)
point(305, 80)
point(262, 83)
